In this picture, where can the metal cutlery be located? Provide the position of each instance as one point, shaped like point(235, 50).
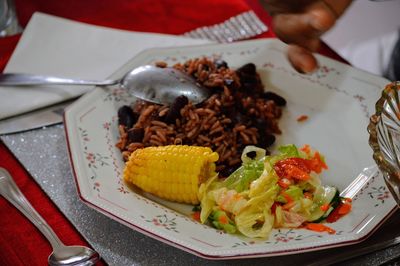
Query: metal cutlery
point(62, 254)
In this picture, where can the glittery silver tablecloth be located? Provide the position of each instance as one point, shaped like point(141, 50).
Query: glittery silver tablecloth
point(43, 152)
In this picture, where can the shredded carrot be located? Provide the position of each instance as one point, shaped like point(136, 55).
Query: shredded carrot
point(237, 197)
point(319, 159)
point(223, 219)
point(341, 210)
point(316, 164)
point(302, 118)
point(344, 208)
point(287, 197)
point(324, 207)
point(320, 228)
point(306, 148)
point(288, 205)
point(196, 216)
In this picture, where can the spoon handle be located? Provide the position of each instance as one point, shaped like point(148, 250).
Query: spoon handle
point(10, 191)
point(14, 79)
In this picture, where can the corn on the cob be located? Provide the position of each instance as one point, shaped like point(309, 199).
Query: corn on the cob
point(172, 172)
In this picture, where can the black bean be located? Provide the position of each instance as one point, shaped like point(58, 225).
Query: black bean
point(249, 69)
point(279, 100)
point(266, 140)
point(249, 87)
point(260, 124)
point(269, 139)
point(248, 78)
point(174, 111)
point(135, 135)
point(221, 63)
point(126, 116)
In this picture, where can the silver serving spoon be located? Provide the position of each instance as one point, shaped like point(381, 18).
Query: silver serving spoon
point(62, 254)
point(150, 83)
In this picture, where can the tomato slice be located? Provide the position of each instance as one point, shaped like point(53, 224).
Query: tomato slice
point(342, 209)
point(299, 168)
point(293, 168)
point(298, 162)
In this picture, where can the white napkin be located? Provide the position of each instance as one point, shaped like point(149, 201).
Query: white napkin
point(60, 47)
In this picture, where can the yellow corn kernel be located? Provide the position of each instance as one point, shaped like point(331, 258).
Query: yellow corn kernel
point(172, 172)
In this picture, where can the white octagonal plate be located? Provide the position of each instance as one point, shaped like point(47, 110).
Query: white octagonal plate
point(338, 101)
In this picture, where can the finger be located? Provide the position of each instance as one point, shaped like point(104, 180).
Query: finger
point(302, 28)
point(337, 7)
point(288, 6)
point(301, 59)
point(296, 29)
point(321, 17)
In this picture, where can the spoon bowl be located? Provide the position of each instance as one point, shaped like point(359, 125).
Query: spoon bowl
point(149, 83)
point(163, 85)
point(72, 255)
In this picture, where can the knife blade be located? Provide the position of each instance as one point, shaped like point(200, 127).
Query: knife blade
point(43, 117)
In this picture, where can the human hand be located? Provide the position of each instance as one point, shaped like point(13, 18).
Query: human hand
point(300, 23)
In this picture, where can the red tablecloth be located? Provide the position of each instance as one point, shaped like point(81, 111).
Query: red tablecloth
point(20, 242)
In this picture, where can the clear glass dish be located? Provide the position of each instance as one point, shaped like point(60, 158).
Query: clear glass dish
point(384, 130)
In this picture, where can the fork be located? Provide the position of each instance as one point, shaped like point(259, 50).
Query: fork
point(240, 27)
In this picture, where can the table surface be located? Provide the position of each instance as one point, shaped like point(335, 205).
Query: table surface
point(38, 160)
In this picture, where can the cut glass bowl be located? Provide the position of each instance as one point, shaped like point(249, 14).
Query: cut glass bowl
point(384, 130)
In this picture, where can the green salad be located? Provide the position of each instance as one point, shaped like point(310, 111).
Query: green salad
point(270, 191)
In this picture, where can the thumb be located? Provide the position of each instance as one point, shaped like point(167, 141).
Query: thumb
point(301, 59)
